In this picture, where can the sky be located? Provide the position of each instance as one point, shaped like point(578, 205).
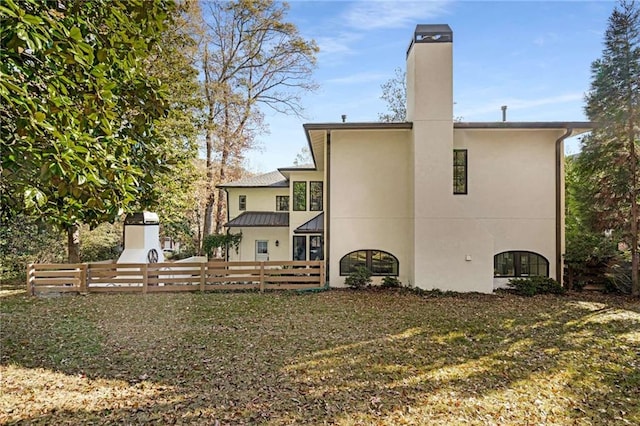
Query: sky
point(533, 56)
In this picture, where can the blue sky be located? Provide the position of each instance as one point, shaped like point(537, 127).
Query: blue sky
point(533, 56)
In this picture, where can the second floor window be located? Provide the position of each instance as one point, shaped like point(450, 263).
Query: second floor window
point(459, 171)
point(242, 202)
point(315, 195)
point(282, 203)
point(299, 196)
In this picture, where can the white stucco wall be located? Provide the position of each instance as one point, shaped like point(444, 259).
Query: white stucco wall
point(370, 201)
point(258, 199)
point(247, 249)
point(511, 175)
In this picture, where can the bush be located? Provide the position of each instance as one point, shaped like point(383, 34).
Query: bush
point(391, 282)
point(535, 285)
point(358, 279)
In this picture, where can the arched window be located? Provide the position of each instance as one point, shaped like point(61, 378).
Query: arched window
point(378, 262)
point(520, 264)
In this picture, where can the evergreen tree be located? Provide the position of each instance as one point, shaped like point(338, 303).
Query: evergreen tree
point(609, 161)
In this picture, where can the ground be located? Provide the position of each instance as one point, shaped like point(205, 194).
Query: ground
point(337, 357)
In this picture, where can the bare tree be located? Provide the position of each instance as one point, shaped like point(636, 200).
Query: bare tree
point(251, 58)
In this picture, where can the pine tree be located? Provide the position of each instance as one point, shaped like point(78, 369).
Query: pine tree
point(610, 155)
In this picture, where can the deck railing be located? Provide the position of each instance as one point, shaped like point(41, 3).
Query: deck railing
point(143, 278)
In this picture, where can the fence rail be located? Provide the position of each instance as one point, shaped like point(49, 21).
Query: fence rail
point(43, 278)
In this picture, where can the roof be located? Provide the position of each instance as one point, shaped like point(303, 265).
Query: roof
point(314, 226)
point(260, 219)
point(358, 126)
point(273, 179)
point(577, 125)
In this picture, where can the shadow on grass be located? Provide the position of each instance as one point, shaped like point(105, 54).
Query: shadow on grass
point(336, 357)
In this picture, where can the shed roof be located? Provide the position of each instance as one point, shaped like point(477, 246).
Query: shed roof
point(260, 219)
point(314, 226)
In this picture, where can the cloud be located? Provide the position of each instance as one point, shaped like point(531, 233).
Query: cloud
point(520, 104)
point(374, 15)
point(357, 78)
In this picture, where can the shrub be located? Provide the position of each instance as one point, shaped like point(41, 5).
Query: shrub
point(530, 286)
point(391, 282)
point(358, 279)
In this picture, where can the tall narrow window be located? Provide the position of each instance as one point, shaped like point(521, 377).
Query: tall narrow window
point(299, 196)
point(459, 171)
point(316, 243)
point(315, 195)
point(300, 247)
point(242, 202)
point(282, 203)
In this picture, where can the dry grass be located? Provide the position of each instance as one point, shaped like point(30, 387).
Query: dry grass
point(338, 357)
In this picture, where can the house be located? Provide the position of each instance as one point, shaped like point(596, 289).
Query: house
point(459, 206)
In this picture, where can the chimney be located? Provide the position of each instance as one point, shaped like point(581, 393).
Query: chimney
point(430, 74)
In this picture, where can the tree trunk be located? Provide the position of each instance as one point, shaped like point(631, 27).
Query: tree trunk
point(73, 244)
point(208, 210)
point(635, 264)
point(221, 192)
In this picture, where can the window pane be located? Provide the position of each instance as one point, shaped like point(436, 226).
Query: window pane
point(299, 196)
point(242, 202)
point(459, 171)
point(383, 263)
point(315, 193)
point(261, 247)
point(504, 265)
point(315, 247)
point(282, 203)
point(376, 261)
point(299, 247)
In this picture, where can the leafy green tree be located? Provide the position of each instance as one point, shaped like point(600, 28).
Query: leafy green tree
point(610, 158)
point(78, 109)
point(394, 93)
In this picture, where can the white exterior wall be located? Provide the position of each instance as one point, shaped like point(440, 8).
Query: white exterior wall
point(247, 248)
point(258, 199)
point(370, 201)
point(511, 188)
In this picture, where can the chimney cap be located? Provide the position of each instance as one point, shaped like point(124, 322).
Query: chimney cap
point(431, 33)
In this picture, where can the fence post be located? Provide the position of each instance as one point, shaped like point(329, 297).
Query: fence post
point(29, 286)
point(323, 278)
point(83, 278)
point(261, 277)
point(145, 277)
point(202, 275)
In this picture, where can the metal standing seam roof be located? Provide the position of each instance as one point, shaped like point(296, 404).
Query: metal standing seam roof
point(314, 226)
point(260, 219)
point(273, 179)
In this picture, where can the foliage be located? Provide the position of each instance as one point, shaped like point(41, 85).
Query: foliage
point(25, 240)
point(212, 242)
point(619, 277)
point(102, 243)
point(78, 109)
point(335, 357)
point(586, 249)
point(394, 93)
point(610, 158)
point(391, 282)
point(251, 59)
point(359, 279)
point(303, 157)
point(531, 286)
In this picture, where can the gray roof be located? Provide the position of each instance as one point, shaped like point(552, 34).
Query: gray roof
point(260, 219)
point(314, 226)
point(273, 179)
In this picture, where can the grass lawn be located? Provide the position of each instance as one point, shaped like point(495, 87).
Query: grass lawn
point(338, 357)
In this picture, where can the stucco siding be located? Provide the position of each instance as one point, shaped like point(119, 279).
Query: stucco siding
point(247, 248)
point(258, 199)
point(370, 197)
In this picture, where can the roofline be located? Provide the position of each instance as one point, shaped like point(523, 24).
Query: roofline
point(224, 185)
point(296, 169)
point(524, 125)
point(358, 126)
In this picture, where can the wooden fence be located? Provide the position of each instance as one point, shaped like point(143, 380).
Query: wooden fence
point(172, 277)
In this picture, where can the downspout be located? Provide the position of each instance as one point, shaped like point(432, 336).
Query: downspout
point(226, 249)
point(559, 223)
point(327, 216)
